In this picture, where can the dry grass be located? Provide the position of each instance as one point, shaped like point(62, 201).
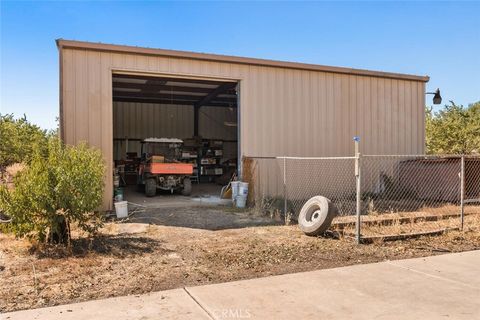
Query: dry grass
point(157, 258)
point(410, 222)
point(248, 167)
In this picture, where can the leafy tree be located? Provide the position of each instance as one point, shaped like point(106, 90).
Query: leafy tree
point(60, 186)
point(453, 130)
point(18, 138)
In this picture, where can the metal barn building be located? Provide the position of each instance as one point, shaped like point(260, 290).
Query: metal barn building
point(114, 96)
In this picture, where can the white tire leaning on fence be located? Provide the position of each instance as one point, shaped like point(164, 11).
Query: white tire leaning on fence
point(316, 215)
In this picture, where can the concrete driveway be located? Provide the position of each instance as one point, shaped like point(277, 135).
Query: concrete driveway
point(206, 194)
point(446, 286)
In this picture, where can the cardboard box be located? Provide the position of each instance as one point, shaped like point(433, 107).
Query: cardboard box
point(189, 155)
point(208, 172)
point(192, 142)
point(208, 161)
point(158, 159)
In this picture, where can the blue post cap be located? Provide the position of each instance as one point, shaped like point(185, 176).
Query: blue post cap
point(356, 138)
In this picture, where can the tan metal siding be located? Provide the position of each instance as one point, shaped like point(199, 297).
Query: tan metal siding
point(283, 111)
point(229, 60)
point(212, 123)
point(143, 120)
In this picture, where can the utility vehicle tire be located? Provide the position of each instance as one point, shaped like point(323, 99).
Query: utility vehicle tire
point(187, 187)
point(150, 187)
point(316, 216)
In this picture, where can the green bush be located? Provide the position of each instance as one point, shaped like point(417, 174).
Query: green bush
point(453, 129)
point(18, 139)
point(60, 185)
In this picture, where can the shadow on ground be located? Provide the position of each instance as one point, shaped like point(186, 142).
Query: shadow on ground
point(118, 246)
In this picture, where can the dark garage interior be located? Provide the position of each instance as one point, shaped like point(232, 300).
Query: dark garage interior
point(195, 118)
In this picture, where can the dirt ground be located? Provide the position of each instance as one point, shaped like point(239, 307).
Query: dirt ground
point(134, 258)
point(201, 217)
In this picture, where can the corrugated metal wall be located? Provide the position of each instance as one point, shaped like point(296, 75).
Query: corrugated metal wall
point(144, 120)
point(283, 111)
point(135, 121)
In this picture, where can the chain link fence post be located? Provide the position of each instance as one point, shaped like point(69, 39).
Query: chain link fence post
point(358, 175)
point(358, 189)
point(285, 186)
point(462, 191)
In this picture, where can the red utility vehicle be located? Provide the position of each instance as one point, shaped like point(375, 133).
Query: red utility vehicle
point(160, 169)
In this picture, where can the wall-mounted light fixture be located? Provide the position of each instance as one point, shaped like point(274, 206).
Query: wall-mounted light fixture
point(437, 98)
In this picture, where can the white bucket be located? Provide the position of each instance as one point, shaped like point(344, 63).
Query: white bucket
point(235, 185)
point(243, 189)
point(241, 201)
point(121, 209)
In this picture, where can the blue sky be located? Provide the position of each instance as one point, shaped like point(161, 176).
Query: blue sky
point(439, 39)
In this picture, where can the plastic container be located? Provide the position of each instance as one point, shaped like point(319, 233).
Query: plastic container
point(235, 185)
point(118, 194)
point(121, 209)
point(116, 181)
point(243, 189)
point(241, 201)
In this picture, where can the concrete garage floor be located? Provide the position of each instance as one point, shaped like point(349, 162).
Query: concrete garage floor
point(439, 287)
point(203, 194)
point(202, 210)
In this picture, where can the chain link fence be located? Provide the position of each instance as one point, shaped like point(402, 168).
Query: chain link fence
point(377, 196)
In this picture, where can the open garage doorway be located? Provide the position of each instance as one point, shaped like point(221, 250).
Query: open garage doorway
point(178, 136)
